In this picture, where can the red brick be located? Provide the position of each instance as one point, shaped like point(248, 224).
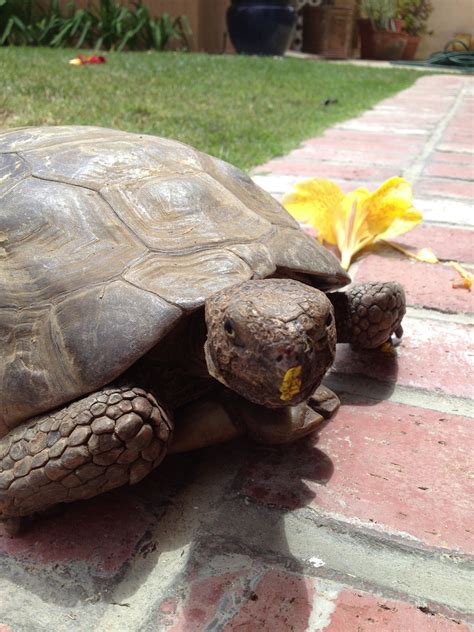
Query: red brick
point(446, 188)
point(280, 601)
point(458, 135)
point(5, 628)
point(393, 119)
point(314, 169)
point(246, 598)
point(327, 146)
point(355, 154)
point(369, 139)
point(274, 600)
point(452, 157)
point(447, 243)
point(463, 123)
point(102, 532)
point(443, 170)
point(426, 284)
point(433, 355)
point(397, 467)
point(458, 130)
point(357, 611)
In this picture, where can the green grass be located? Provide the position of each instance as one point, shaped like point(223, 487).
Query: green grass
point(242, 109)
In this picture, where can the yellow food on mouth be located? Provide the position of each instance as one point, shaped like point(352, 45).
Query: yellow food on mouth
point(291, 383)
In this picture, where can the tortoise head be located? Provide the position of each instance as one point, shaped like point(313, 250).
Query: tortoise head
point(270, 340)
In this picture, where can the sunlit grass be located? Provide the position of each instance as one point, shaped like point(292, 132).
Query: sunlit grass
point(242, 109)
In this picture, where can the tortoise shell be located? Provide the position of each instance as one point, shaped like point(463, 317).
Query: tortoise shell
point(107, 240)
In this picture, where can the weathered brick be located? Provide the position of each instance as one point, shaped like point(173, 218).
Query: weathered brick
point(458, 134)
point(234, 592)
point(312, 169)
point(443, 170)
point(238, 593)
point(368, 139)
point(452, 157)
point(444, 187)
point(394, 466)
point(427, 285)
point(448, 243)
point(355, 610)
point(102, 533)
point(433, 355)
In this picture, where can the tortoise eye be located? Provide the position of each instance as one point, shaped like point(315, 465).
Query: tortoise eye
point(228, 328)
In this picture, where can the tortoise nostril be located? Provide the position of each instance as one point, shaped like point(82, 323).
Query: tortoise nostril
point(329, 319)
point(228, 327)
point(279, 358)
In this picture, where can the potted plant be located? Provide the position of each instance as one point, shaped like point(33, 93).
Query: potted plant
point(380, 30)
point(261, 27)
point(415, 15)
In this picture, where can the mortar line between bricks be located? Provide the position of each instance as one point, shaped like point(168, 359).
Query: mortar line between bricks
point(422, 313)
point(360, 387)
point(344, 579)
point(382, 562)
point(439, 224)
point(413, 172)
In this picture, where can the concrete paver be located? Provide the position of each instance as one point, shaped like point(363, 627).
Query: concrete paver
point(366, 525)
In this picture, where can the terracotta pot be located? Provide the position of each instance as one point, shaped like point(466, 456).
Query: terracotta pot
point(328, 31)
point(411, 47)
point(386, 45)
point(389, 45)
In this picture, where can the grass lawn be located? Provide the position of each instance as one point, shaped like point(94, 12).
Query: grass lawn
point(242, 109)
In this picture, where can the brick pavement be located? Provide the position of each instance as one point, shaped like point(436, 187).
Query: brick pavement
point(365, 526)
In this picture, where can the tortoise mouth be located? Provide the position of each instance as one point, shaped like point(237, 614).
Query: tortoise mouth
point(273, 385)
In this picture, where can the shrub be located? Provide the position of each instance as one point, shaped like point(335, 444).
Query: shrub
point(415, 15)
point(107, 25)
point(379, 12)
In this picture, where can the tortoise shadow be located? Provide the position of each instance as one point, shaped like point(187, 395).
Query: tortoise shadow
point(224, 576)
point(125, 537)
point(364, 377)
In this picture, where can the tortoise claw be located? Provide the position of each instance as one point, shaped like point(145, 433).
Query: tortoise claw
point(399, 332)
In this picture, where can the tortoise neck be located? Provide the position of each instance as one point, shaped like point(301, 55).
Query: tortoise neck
point(175, 369)
point(342, 315)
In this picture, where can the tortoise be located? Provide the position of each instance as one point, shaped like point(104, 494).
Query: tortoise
point(143, 281)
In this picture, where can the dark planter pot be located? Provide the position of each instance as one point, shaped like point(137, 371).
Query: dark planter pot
point(386, 45)
point(260, 28)
point(411, 47)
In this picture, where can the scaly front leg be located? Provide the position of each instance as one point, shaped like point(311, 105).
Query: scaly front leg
point(369, 313)
point(107, 439)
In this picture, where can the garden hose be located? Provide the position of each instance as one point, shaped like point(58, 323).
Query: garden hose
point(452, 59)
point(460, 59)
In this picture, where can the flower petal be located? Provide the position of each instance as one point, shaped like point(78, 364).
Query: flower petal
point(390, 210)
point(356, 220)
point(314, 202)
point(467, 277)
point(425, 255)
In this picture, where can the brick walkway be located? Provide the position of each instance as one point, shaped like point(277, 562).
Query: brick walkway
point(368, 525)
